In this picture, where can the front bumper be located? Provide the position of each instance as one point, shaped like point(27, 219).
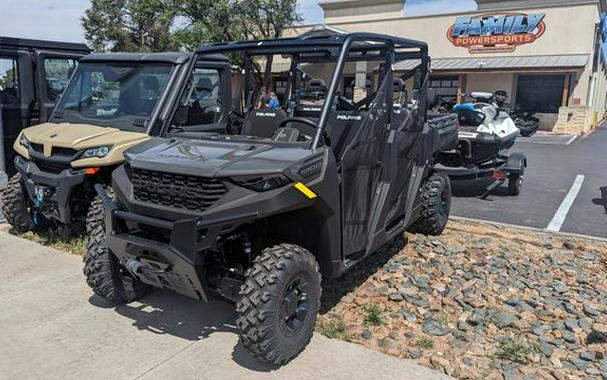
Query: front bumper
point(176, 263)
point(57, 204)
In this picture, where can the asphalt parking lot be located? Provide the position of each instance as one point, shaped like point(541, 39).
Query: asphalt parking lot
point(565, 187)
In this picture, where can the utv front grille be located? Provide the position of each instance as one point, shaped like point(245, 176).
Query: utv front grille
point(175, 190)
point(37, 147)
point(51, 166)
point(65, 152)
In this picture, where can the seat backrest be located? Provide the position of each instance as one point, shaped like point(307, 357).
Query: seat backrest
point(341, 128)
point(315, 90)
point(262, 123)
point(469, 117)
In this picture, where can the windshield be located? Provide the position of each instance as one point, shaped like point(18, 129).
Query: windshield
point(119, 95)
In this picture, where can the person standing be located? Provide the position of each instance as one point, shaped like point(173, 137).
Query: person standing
point(274, 103)
point(263, 99)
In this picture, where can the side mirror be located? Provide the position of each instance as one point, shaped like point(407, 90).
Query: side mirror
point(181, 116)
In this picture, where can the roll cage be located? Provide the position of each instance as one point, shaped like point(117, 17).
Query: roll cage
point(321, 49)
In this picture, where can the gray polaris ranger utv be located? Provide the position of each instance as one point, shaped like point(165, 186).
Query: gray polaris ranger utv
point(255, 208)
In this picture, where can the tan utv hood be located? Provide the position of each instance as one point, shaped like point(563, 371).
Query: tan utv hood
point(79, 137)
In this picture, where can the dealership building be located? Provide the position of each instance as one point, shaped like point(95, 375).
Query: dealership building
point(547, 55)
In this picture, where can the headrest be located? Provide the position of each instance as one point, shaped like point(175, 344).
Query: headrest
point(151, 83)
point(204, 83)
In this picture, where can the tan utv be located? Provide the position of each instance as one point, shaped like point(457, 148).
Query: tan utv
point(112, 102)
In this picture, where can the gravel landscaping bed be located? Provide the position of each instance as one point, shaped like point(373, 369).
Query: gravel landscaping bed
point(480, 302)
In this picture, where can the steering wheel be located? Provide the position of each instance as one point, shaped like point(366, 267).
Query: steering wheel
point(305, 126)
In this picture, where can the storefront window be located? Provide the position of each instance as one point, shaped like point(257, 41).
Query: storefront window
point(540, 93)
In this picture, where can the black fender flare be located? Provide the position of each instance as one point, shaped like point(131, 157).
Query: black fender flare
point(516, 163)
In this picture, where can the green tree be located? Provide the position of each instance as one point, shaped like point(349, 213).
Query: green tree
point(229, 20)
point(129, 25)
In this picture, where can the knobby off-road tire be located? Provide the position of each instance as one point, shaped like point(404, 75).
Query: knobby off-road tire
point(103, 272)
point(282, 280)
point(15, 205)
point(436, 205)
point(95, 216)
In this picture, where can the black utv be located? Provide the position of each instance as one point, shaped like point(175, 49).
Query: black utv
point(259, 211)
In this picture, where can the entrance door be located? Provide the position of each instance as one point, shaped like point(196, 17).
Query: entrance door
point(540, 93)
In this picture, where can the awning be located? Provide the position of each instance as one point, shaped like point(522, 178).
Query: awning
point(489, 63)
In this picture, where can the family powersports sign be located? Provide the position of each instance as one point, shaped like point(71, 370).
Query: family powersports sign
point(496, 32)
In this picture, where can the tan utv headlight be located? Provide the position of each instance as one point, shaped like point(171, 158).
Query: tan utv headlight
point(98, 152)
point(24, 141)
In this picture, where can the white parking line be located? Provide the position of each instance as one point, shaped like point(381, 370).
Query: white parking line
point(572, 139)
point(559, 218)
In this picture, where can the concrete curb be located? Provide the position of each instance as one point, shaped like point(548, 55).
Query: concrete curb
point(532, 229)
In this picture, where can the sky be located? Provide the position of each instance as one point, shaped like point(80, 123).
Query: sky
point(60, 19)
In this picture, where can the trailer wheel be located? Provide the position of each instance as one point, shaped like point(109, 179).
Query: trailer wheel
point(95, 216)
point(436, 205)
point(104, 274)
point(279, 304)
point(15, 205)
point(515, 184)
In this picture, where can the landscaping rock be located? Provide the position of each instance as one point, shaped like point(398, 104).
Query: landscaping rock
point(482, 302)
point(587, 355)
point(434, 328)
point(396, 297)
point(504, 319)
point(367, 334)
point(415, 354)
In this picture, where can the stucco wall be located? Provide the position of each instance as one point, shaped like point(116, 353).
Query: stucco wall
point(569, 30)
point(490, 83)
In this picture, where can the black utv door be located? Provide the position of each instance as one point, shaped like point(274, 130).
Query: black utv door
point(16, 98)
point(361, 168)
point(401, 155)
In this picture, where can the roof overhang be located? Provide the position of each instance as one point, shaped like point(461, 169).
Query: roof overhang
point(548, 62)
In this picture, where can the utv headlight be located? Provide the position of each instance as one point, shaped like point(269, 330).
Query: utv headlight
point(24, 141)
point(262, 182)
point(98, 152)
